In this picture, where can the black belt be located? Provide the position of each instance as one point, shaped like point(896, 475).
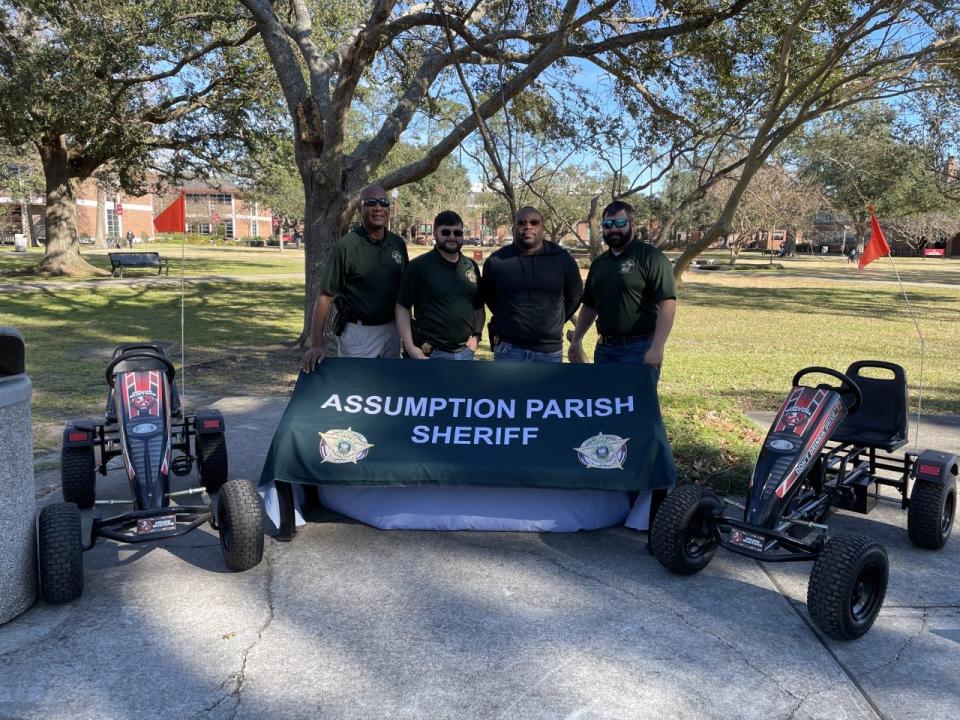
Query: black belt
point(623, 339)
point(364, 323)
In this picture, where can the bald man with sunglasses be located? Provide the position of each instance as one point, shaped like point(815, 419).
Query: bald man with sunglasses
point(362, 277)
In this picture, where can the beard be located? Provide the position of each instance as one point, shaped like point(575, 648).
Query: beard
point(618, 240)
point(451, 246)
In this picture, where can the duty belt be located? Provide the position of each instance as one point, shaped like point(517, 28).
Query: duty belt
point(623, 339)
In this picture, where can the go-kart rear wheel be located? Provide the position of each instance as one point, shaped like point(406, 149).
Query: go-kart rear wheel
point(847, 586)
point(683, 535)
point(212, 461)
point(931, 512)
point(78, 473)
point(60, 553)
point(240, 522)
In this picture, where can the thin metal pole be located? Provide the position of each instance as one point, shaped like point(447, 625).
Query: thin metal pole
point(923, 347)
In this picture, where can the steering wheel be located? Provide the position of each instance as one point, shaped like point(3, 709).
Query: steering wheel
point(848, 388)
point(170, 370)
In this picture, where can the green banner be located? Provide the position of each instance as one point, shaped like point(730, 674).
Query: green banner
point(495, 424)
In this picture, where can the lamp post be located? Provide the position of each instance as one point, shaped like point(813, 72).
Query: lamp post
point(843, 245)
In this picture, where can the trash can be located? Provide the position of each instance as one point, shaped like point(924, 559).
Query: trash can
point(19, 242)
point(18, 573)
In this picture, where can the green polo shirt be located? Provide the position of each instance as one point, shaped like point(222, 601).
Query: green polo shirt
point(367, 273)
point(443, 296)
point(624, 289)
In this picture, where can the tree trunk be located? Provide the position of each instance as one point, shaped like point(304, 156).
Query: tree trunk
point(593, 222)
point(101, 227)
point(327, 217)
point(62, 256)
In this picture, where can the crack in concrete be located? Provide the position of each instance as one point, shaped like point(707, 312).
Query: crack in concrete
point(826, 688)
point(924, 617)
point(809, 623)
point(650, 601)
point(239, 678)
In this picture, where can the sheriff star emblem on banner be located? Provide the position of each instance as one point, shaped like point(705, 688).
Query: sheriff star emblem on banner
point(604, 452)
point(343, 446)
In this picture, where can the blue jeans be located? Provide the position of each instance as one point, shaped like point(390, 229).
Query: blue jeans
point(632, 352)
point(509, 351)
point(465, 354)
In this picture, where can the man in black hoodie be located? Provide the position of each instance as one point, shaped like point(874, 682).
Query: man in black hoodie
point(532, 288)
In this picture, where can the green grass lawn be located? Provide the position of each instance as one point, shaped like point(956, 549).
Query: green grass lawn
point(738, 340)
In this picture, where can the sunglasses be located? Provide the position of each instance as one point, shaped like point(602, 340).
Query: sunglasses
point(372, 202)
point(617, 223)
point(447, 232)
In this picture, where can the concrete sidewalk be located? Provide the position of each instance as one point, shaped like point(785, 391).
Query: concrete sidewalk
point(351, 622)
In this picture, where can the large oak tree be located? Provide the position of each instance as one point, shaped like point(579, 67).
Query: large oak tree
point(126, 85)
point(417, 55)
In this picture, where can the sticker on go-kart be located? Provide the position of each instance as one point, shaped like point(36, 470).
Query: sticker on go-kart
point(157, 524)
point(747, 540)
point(343, 446)
point(142, 393)
point(799, 409)
point(604, 452)
point(820, 437)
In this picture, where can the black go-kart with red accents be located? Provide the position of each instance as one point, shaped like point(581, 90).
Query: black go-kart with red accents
point(144, 425)
point(830, 446)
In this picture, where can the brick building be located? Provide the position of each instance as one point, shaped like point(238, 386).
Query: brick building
point(238, 217)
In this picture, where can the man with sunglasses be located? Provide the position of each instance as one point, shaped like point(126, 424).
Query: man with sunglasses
point(532, 288)
point(363, 274)
point(631, 293)
point(442, 288)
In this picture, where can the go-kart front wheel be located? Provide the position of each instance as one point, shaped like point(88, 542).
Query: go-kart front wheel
point(60, 553)
point(931, 512)
point(847, 586)
point(78, 474)
point(212, 460)
point(682, 535)
point(240, 522)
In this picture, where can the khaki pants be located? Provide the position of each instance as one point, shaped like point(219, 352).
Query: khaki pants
point(369, 341)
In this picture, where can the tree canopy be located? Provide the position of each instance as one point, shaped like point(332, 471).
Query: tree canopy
point(164, 85)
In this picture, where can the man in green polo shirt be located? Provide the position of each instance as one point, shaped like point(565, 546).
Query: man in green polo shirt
point(363, 274)
point(631, 293)
point(442, 288)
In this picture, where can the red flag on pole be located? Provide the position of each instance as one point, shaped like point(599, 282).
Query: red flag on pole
point(876, 246)
point(174, 218)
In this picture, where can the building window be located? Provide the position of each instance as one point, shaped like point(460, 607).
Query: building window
point(228, 228)
point(113, 223)
point(254, 228)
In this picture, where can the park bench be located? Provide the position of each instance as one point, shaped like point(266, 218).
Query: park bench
point(119, 261)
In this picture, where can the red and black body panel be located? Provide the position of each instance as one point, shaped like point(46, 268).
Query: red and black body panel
point(142, 406)
point(802, 427)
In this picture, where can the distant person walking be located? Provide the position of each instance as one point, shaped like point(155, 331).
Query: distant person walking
point(130, 237)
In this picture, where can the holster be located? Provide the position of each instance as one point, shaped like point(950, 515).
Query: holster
point(344, 315)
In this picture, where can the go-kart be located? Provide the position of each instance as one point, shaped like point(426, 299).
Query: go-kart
point(144, 424)
point(821, 453)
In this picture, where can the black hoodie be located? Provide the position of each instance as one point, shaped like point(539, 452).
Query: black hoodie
point(531, 296)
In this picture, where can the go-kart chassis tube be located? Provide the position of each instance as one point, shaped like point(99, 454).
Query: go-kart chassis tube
point(799, 550)
point(193, 515)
